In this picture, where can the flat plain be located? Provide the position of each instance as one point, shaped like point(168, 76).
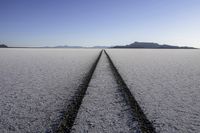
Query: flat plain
point(37, 84)
point(165, 83)
point(104, 108)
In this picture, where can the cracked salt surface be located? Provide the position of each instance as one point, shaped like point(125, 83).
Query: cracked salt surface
point(166, 84)
point(37, 84)
point(103, 108)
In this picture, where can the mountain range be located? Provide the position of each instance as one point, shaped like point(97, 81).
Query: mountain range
point(151, 45)
point(146, 45)
point(3, 46)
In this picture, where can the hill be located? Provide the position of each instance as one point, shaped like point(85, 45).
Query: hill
point(151, 45)
point(3, 46)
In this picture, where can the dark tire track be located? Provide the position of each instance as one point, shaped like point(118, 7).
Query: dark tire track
point(136, 120)
point(145, 125)
point(72, 109)
point(104, 108)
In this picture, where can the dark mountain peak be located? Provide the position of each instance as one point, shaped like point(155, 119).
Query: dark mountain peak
point(3, 46)
point(144, 45)
point(152, 45)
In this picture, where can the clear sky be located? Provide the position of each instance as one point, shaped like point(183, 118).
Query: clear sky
point(99, 22)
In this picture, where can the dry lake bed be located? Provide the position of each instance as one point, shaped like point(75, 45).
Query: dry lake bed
point(90, 90)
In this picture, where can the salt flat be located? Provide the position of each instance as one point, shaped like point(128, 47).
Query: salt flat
point(166, 84)
point(37, 84)
point(103, 108)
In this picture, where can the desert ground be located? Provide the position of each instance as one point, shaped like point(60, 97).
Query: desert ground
point(95, 90)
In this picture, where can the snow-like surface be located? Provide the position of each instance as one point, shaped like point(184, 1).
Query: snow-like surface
point(166, 83)
point(104, 109)
point(36, 84)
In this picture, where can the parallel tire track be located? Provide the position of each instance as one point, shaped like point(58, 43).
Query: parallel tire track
point(104, 108)
point(72, 109)
point(145, 125)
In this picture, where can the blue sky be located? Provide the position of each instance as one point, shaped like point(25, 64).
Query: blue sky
point(99, 22)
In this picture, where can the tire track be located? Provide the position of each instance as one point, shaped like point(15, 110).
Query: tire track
point(72, 109)
point(123, 113)
point(145, 125)
point(105, 107)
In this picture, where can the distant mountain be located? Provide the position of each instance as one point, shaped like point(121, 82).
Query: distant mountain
point(67, 46)
point(3, 46)
point(63, 46)
point(151, 45)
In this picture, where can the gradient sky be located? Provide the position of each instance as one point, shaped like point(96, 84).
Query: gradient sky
point(99, 22)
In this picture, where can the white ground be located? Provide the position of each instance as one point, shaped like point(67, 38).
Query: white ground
point(103, 109)
point(36, 84)
point(166, 83)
